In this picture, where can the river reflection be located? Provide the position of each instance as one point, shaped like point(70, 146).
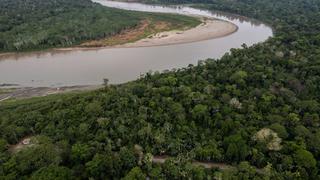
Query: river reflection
point(85, 67)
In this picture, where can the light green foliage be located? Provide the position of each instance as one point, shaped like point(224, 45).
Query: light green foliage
point(208, 152)
point(135, 174)
point(200, 111)
point(305, 159)
point(280, 130)
point(80, 152)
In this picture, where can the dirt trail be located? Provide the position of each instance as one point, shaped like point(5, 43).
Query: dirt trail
point(23, 143)
point(205, 164)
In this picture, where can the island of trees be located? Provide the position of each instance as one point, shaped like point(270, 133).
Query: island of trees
point(256, 109)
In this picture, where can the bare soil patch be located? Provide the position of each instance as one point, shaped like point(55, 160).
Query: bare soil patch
point(144, 29)
point(22, 144)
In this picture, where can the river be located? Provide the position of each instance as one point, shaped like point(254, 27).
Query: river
point(89, 67)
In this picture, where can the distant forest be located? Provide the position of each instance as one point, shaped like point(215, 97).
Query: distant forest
point(256, 108)
point(41, 24)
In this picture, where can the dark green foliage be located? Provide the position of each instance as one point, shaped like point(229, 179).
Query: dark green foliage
point(211, 111)
point(52, 173)
point(3, 145)
point(33, 158)
point(37, 24)
point(41, 24)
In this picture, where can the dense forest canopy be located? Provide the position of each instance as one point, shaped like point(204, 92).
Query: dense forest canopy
point(257, 108)
point(40, 24)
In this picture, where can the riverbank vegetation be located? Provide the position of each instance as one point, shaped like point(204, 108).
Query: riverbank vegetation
point(146, 28)
point(256, 108)
point(37, 24)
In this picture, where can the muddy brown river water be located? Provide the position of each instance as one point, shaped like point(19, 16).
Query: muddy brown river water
point(89, 67)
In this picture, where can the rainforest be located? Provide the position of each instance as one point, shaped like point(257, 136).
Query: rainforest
point(36, 24)
point(251, 114)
